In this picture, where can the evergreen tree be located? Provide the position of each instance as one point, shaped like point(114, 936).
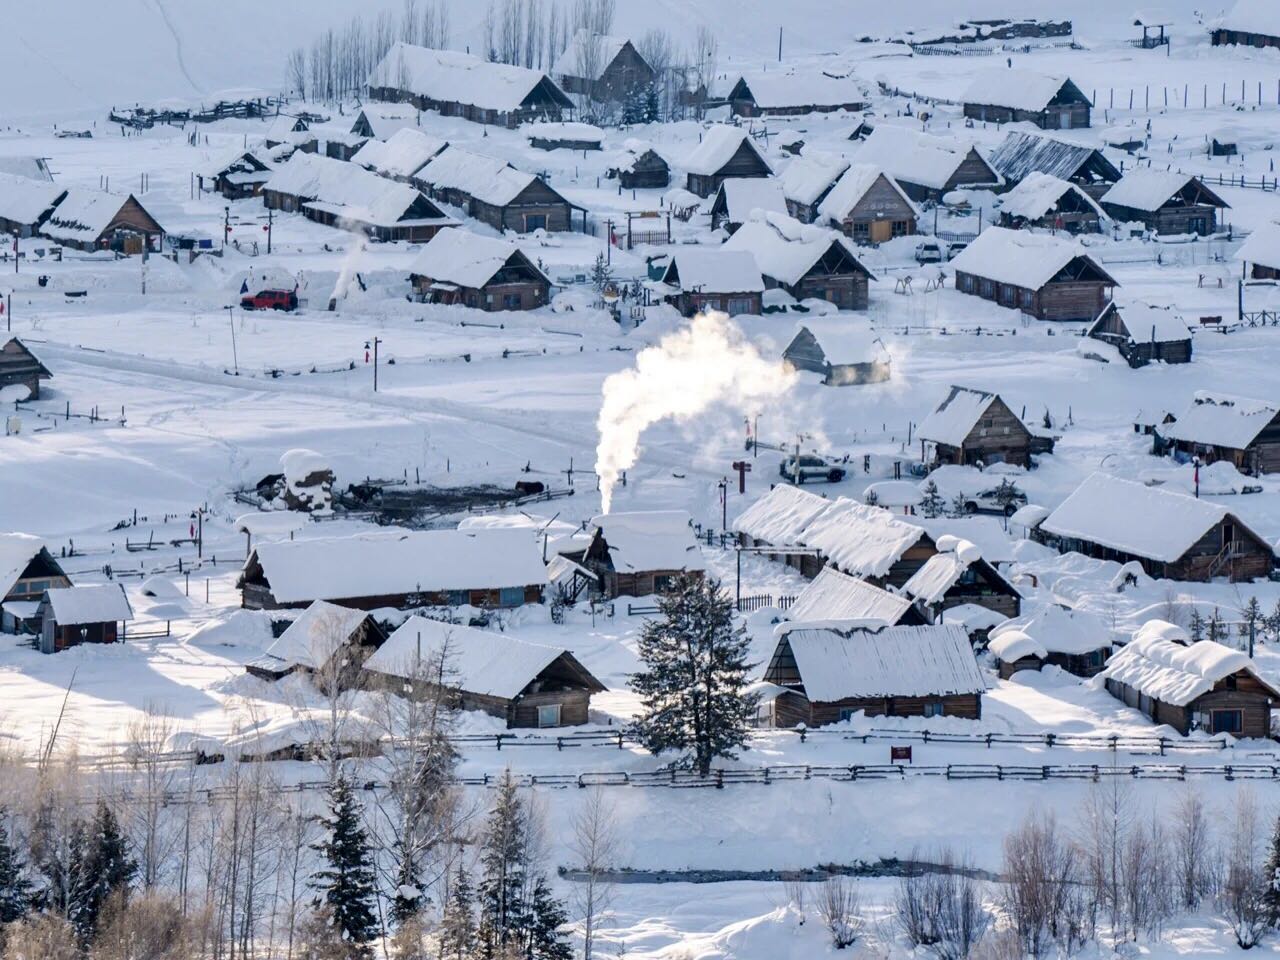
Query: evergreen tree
point(633, 107)
point(1271, 877)
point(1196, 628)
point(547, 916)
point(1271, 624)
point(652, 104)
point(1253, 622)
point(871, 498)
point(16, 893)
point(959, 507)
point(458, 925)
point(601, 273)
point(1007, 495)
point(346, 883)
point(693, 682)
point(504, 864)
point(932, 505)
point(100, 869)
point(1217, 630)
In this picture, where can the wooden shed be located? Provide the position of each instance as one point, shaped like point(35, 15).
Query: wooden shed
point(698, 279)
point(484, 273)
point(974, 426)
point(925, 166)
point(1171, 535)
point(18, 365)
point(1022, 96)
point(494, 192)
point(637, 554)
point(25, 204)
point(1215, 426)
point(1143, 333)
point(525, 684)
point(70, 616)
point(1204, 686)
point(839, 669)
point(807, 180)
point(844, 352)
point(869, 206)
point(327, 641)
point(958, 575)
point(1249, 23)
point(1021, 154)
point(639, 167)
point(780, 93)
point(725, 151)
point(805, 261)
point(564, 136)
point(93, 220)
point(1042, 200)
point(1260, 253)
point(1165, 201)
point(1073, 640)
point(27, 570)
point(1046, 277)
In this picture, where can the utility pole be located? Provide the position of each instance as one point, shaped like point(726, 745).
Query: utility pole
point(269, 212)
point(198, 516)
point(8, 311)
point(779, 44)
point(724, 503)
point(226, 225)
point(15, 252)
point(376, 341)
point(235, 358)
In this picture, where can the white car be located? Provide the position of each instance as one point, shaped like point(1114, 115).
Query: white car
point(812, 467)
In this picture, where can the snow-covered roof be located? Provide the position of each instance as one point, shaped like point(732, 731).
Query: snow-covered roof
point(476, 661)
point(861, 540)
point(986, 532)
point(914, 157)
point(1146, 189)
point(24, 200)
point(743, 195)
point(956, 416)
point(487, 179)
point(1221, 419)
point(465, 258)
point(1147, 323)
point(1039, 193)
point(1175, 674)
point(1021, 154)
point(284, 128)
point(1019, 257)
point(83, 215)
point(778, 90)
point(853, 186)
point(781, 515)
point(318, 633)
point(1057, 630)
point(449, 76)
point(588, 53)
point(1016, 89)
point(402, 155)
point(845, 341)
point(854, 660)
point(648, 540)
point(17, 550)
point(273, 523)
point(719, 144)
point(76, 606)
point(1014, 645)
point(1132, 518)
point(784, 248)
point(384, 119)
point(1253, 16)
point(808, 177)
point(576, 132)
point(715, 270)
point(624, 160)
point(943, 570)
point(1262, 246)
point(833, 595)
point(386, 564)
point(345, 189)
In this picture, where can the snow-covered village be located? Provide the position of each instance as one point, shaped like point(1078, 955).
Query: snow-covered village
point(593, 479)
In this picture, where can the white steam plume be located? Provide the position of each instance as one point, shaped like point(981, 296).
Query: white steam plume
point(709, 362)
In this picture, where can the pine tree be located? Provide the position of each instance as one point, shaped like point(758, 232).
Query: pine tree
point(652, 104)
point(346, 883)
point(1197, 625)
point(1217, 629)
point(959, 506)
point(1253, 621)
point(601, 273)
point(547, 916)
point(458, 925)
point(932, 505)
point(693, 682)
point(504, 867)
point(1271, 876)
point(16, 893)
point(108, 865)
point(1007, 495)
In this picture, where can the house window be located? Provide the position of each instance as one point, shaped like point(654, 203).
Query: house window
point(511, 596)
point(1197, 225)
point(1028, 299)
point(862, 231)
point(846, 713)
point(900, 228)
point(549, 715)
point(988, 288)
point(511, 301)
point(819, 293)
point(1226, 721)
point(535, 221)
point(662, 582)
point(933, 708)
point(458, 598)
point(739, 305)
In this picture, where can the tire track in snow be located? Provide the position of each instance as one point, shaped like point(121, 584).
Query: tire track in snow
point(177, 45)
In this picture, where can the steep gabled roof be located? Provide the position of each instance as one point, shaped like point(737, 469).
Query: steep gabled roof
point(77, 606)
point(1021, 154)
point(17, 550)
point(1222, 419)
point(739, 196)
point(24, 200)
point(717, 148)
point(914, 157)
point(714, 271)
point(1020, 90)
point(84, 214)
point(318, 633)
point(1021, 258)
point(488, 179)
point(956, 416)
point(1145, 323)
point(781, 515)
point(833, 595)
point(1039, 193)
point(400, 156)
point(589, 53)
point(648, 540)
point(449, 76)
point(786, 250)
point(807, 179)
point(852, 187)
point(467, 259)
point(1145, 189)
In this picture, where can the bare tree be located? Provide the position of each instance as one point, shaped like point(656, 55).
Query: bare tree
point(147, 746)
point(941, 909)
point(838, 903)
point(1192, 854)
point(42, 936)
point(595, 846)
point(297, 835)
point(150, 926)
point(1107, 817)
point(296, 71)
point(1042, 892)
point(705, 62)
point(1146, 889)
point(1241, 899)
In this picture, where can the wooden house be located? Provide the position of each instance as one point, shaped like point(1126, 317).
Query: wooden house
point(494, 192)
point(1165, 201)
point(843, 352)
point(1143, 333)
point(833, 595)
point(1073, 640)
point(236, 175)
point(421, 568)
point(804, 261)
point(27, 570)
point(293, 131)
point(1240, 430)
point(401, 155)
point(926, 167)
point(807, 180)
point(869, 206)
point(25, 204)
point(456, 84)
point(92, 220)
point(842, 669)
point(971, 427)
point(1042, 200)
point(525, 684)
point(783, 94)
point(779, 519)
point(1204, 686)
point(636, 554)
point(1171, 535)
point(724, 152)
point(581, 137)
point(1250, 23)
point(639, 167)
point(1046, 277)
point(327, 642)
point(484, 273)
point(70, 616)
point(958, 575)
point(1260, 253)
point(699, 279)
point(738, 199)
point(1021, 96)
point(18, 365)
point(602, 68)
point(1021, 154)
point(381, 121)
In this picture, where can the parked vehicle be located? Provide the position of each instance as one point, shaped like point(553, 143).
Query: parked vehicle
point(270, 300)
point(930, 251)
point(955, 249)
point(1004, 501)
point(812, 467)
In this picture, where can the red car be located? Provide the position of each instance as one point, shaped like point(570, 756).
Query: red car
point(270, 300)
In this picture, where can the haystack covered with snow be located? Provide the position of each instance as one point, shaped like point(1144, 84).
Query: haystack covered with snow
point(308, 481)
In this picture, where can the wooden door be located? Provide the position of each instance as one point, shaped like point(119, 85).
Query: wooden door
point(881, 231)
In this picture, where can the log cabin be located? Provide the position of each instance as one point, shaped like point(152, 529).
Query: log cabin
point(484, 273)
point(401, 155)
point(421, 568)
point(639, 167)
point(1143, 333)
point(926, 167)
point(1044, 201)
point(784, 94)
point(92, 220)
point(1204, 686)
point(958, 575)
point(807, 180)
point(805, 261)
point(1250, 23)
point(381, 121)
point(494, 192)
point(525, 684)
point(69, 616)
point(581, 137)
point(637, 554)
point(1045, 277)
point(840, 669)
point(27, 570)
point(1072, 640)
point(971, 427)
point(327, 642)
point(1022, 96)
point(1165, 201)
point(738, 198)
point(869, 206)
point(602, 68)
point(833, 595)
point(844, 353)
point(293, 131)
point(456, 84)
point(1260, 253)
point(1170, 535)
point(1240, 430)
point(1021, 154)
point(696, 280)
point(236, 175)
point(724, 152)
point(25, 204)
point(18, 365)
